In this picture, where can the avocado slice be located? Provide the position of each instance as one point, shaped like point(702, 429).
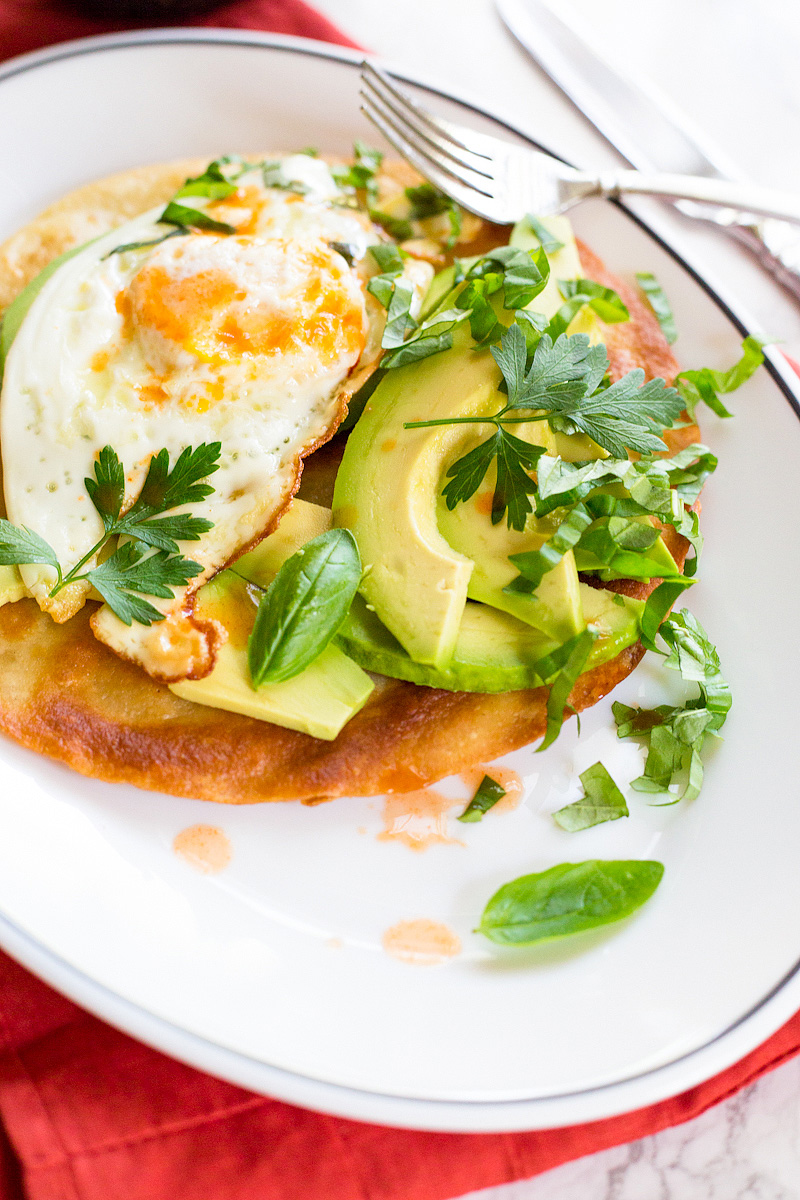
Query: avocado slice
point(494, 652)
point(555, 606)
point(386, 492)
point(18, 308)
point(319, 701)
point(390, 480)
point(12, 587)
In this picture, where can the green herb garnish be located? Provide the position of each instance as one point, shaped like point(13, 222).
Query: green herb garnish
point(602, 801)
point(361, 174)
point(428, 201)
point(676, 734)
point(568, 898)
point(303, 607)
point(564, 383)
point(485, 798)
point(707, 384)
point(659, 304)
point(549, 243)
point(126, 574)
point(561, 669)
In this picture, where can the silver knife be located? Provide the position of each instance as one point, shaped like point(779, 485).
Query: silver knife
point(645, 128)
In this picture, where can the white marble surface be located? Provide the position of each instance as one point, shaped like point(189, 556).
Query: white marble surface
point(733, 65)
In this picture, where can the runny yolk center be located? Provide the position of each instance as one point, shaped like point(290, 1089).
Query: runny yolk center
point(299, 300)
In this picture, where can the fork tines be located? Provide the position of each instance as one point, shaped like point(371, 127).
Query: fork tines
point(427, 142)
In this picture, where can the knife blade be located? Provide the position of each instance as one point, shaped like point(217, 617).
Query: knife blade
point(645, 128)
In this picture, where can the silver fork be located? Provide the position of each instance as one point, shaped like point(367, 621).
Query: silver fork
point(502, 182)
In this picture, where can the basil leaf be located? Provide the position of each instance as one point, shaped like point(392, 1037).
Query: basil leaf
point(20, 546)
point(706, 384)
point(212, 183)
point(602, 801)
point(179, 214)
point(181, 231)
point(390, 258)
point(485, 798)
point(580, 647)
point(398, 317)
point(658, 604)
point(397, 227)
point(304, 607)
point(659, 304)
point(568, 898)
point(602, 300)
point(533, 565)
point(547, 241)
point(348, 251)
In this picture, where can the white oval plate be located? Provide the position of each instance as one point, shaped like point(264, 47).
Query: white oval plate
point(272, 973)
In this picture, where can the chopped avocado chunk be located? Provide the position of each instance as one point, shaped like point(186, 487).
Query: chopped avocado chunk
point(12, 587)
point(494, 652)
point(320, 700)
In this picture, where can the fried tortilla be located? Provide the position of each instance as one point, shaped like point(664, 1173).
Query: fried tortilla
point(65, 694)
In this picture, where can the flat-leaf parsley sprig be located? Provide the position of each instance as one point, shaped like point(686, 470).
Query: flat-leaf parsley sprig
point(129, 573)
point(565, 382)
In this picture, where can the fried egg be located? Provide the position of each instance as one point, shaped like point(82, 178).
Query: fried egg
point(248, 339)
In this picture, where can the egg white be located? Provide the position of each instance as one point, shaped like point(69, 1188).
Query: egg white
point(165, 347)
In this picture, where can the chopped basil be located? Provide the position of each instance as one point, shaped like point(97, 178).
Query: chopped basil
point(659, 304)
point(487, 795)
point(602, 801)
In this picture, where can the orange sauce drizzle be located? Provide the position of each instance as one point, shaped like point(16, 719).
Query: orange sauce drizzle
point(423, 943)
point(204, 847)
point(417, 819)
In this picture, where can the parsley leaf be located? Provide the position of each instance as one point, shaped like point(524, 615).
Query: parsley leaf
point(515, 458)
point(487, 795)
point(706, 384)
point(659, 304)
point(125, 573)
point(21, 546)
point(602, 801)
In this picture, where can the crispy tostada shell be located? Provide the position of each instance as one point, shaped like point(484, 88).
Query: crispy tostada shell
point(66, 695)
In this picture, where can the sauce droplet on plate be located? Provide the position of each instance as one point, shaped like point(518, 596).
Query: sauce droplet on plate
point(510, 780)
point(204, 847)
point(417, 819)
point(424, 943)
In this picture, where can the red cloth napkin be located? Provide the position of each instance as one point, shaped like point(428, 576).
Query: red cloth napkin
point(90, 1114)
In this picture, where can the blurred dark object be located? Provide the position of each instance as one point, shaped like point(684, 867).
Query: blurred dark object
point(142, 10)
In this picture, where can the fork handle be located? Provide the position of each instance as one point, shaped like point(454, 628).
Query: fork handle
point(744, 197)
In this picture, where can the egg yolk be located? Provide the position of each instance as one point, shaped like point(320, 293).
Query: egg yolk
point(220, 300)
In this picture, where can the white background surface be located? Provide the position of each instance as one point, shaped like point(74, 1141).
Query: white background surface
point(733, 66)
